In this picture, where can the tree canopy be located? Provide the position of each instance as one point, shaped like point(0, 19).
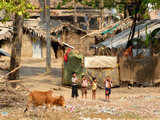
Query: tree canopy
point(133, 5)
point(13, 7)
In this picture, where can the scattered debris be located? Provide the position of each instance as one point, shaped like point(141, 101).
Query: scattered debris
point(4, 113)
point(88, 118)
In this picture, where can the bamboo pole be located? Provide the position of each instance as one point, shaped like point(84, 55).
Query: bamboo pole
point(102, 13)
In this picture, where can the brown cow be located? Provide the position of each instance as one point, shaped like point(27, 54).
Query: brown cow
point(38, 98)
point(60, 101)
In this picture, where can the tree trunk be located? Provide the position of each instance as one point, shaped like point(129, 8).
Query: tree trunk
point(136, 7)
point(48, 39)
point(16, 47)
point(132, 31)
point(125, 11)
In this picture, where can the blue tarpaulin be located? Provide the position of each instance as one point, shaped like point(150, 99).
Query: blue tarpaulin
point(4, 53)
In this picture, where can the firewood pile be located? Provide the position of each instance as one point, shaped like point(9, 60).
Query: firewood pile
point(11, 96)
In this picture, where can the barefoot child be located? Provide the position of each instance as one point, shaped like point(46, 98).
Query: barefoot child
point(94, 87)
point(84, 85)
point(74, 85)
point(108, 85)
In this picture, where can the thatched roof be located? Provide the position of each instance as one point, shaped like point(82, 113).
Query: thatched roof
point(35, 30)
point(33, 27)
point(6, 31)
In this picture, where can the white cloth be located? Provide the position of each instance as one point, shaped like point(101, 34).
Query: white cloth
point(108, 84)
point(85, 83)
point(74, 80)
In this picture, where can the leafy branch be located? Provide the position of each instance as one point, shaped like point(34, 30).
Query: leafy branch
point(12, 7)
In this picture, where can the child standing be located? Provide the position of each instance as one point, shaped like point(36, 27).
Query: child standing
point(94, 87)
point(108, 85)
point(84, 85)
point(74, 85)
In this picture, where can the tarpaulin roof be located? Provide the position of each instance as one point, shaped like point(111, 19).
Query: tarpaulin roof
point(121, 38)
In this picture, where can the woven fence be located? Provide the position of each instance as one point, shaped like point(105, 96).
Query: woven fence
point(144, 70)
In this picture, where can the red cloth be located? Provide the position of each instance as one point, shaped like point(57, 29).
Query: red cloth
point(66, 54)
point(65, 58)
point(128, 51)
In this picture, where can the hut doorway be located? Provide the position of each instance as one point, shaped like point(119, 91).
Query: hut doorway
point(37, 49)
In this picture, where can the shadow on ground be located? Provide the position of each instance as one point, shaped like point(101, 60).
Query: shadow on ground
point(31, 71)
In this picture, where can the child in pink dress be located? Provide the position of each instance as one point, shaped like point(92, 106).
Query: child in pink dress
point(84, 85)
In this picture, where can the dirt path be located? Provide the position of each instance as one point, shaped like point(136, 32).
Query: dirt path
point(34, 77)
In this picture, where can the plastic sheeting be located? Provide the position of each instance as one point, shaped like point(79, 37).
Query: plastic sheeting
point(144, 52)
point(121, 39)
point(4, 53)
point(100, 62)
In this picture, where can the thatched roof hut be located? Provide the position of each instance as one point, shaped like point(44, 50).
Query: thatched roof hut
point(34, 29)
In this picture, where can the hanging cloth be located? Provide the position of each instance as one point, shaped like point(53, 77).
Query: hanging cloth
point(66, 54)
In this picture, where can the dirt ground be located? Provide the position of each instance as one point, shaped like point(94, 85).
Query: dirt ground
point(125, 104)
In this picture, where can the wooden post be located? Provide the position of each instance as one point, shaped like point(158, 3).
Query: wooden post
point(62, 82)
point(75, 12)
point(64, 36)
point(102, 13)
point(63, 40)
point(48, 38)
point(88, 22)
